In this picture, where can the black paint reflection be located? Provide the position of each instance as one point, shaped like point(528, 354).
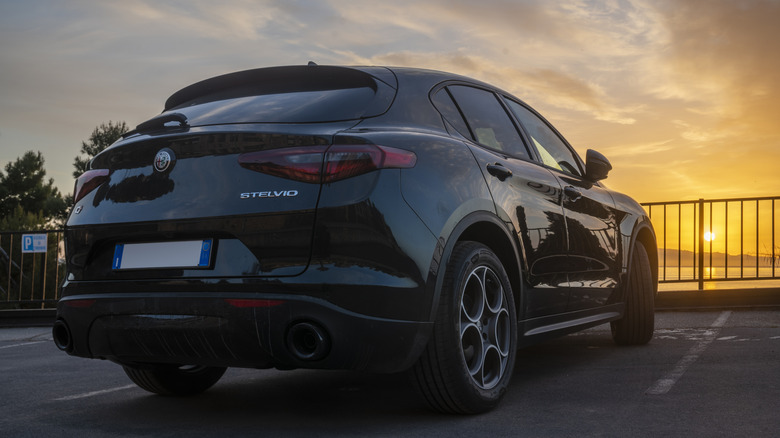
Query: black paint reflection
point(545, 246)
point(594, 242)
point(532, 200)
point(358, 235)
point(136, 188)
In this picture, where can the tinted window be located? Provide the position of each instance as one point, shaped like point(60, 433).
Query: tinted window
point(489, 122)
point(290, 107)
point(443, 102)
point(552, 150)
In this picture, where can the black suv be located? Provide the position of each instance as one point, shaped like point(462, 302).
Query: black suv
point(363, 218)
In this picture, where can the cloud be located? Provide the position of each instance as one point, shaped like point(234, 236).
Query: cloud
point(551, 87)
point(683, 83)
point(722, 60)
point(635, 151)
point(231, 21)
point(571, 92)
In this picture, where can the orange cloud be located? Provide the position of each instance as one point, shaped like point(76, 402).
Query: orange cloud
point(723, 55)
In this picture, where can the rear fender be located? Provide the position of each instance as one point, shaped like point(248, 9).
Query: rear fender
point(486, 228)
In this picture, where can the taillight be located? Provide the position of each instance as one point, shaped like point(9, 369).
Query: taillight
point(299, 164)
point(344, 161)
point(87, 182)
point(324, 164)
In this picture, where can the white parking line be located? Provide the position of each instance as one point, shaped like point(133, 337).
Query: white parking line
point(22, 344)
point(93, 393)
point(663, 385)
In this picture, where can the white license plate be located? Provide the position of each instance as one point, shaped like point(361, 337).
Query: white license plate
point(159, 255)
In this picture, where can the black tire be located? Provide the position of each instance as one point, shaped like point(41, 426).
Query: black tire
point(470, 357)
point(175, 380)
point(638, 322)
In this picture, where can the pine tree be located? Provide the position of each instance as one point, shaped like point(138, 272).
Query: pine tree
point(27, 198)
point(102, 137)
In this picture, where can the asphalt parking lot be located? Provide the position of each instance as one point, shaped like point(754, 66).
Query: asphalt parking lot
point(705, 373)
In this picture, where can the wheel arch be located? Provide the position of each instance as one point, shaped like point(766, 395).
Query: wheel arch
point(486, 228)
point(644, 234)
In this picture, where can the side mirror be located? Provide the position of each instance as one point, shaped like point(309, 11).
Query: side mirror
point(597, 166)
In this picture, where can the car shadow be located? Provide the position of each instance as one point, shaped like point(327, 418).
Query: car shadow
point(308, 402)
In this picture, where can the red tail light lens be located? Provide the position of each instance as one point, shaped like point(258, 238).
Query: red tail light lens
point(89, 181)
point(299, 164)
point(344, 161)
point(322, 164)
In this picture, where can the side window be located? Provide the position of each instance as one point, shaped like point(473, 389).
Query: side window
point(489, 123)
point(443, 102)
point(552, 150)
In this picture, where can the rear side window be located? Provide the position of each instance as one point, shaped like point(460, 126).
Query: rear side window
point(488, 122)
point(443, 102)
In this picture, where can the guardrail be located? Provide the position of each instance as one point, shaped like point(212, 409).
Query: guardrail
point(717, 240)
point(31, 268)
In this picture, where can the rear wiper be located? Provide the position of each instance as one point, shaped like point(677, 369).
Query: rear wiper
point(159, 122)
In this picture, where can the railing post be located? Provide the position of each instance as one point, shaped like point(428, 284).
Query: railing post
point(700, 269)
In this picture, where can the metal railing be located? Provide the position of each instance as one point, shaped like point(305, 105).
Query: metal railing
point(31, 268)
point(700, 241)
point(717, 240)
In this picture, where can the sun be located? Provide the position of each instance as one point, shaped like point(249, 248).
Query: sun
point(709, 237)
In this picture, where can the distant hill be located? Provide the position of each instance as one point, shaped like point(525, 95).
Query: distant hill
point(675, 258)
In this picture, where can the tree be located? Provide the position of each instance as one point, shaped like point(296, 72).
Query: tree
point(102, 137)
point(20, 220)
point(27, 199)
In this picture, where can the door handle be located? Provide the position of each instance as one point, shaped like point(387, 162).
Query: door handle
point(572, 193)
point(499, 171)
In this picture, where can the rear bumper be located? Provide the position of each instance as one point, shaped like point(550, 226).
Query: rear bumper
point(236, 330)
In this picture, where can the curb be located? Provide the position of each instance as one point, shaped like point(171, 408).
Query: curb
point(717, 299)
point(27, 318)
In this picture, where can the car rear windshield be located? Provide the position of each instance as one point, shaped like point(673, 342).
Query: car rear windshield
point(283, 95)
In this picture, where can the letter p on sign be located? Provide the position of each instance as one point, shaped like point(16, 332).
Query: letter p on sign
point(34, 242)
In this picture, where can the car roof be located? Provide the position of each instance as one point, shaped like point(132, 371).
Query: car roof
point(312, 75)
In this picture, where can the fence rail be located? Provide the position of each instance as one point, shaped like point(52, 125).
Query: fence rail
point(701, 241)
point(31, 268)
point(717, 240)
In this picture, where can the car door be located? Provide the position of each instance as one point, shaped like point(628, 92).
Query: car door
point(591, 217)
point(525, 194)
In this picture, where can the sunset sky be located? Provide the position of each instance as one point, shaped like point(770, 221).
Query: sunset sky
point(682, 96)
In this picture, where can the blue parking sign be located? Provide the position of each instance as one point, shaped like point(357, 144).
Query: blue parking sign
point(34, 242)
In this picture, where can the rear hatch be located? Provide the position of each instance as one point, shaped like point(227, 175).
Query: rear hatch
point(225, 182)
